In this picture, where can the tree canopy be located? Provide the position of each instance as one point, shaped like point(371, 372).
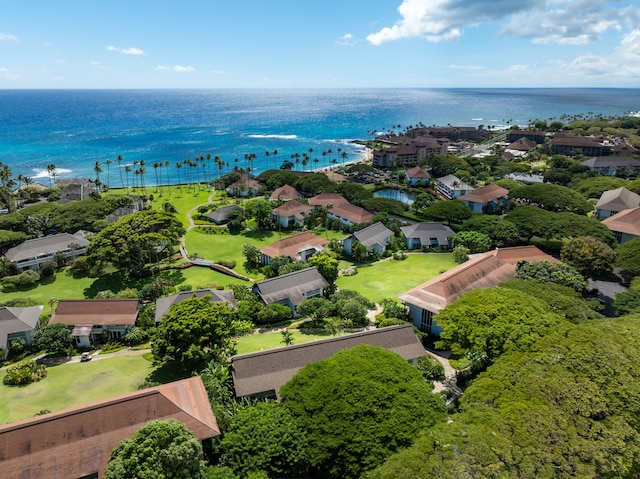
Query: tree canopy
point(592, 258)
point(501, 232)
point(628, 257)
point(159, 450)
point(552, 198)
point(358, 407)
point(52, 338)
point(451, 211)
point(135, 241)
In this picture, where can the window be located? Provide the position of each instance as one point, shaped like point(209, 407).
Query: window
point(618, 236)
point(426, 321)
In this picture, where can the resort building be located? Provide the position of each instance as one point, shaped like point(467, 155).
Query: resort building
point(163, 305)
point(487, 199)
point(375, 238)
point(427, 235)
point(452, 187)
point(349, 215)
point(624, 225)
point(221, 215)
point(520, 147)
point(614, 201)
point(291, 289)
point(284, 193)
point(291, 214)
point(32, 253)
point(613, 165)
point(569, 145)
point(481, 271)
point(417, 175)
point(298, 247)
point(94, 321)
point(262, 374)
point(77, 443)
point(536, 137)
point(17, 323)
point(328, 200)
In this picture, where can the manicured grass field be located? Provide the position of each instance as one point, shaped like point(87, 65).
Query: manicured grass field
point(388, 279)
point(264, 341)
point(74, 384)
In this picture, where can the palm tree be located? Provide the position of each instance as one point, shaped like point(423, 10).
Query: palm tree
point(127, 170)
point(98, 170)
point(51, 171)
point(135, 172)
point(119, 160)
point(156, 165)
point(178, 166)
point(108, 163)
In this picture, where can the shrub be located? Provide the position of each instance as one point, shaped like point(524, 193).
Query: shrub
point(25, 279)
point(227, 264)
point(400, 256)
point(431, 369)
point(24, 372)
point(460, 254)
point(48, 268)
point(273, 313)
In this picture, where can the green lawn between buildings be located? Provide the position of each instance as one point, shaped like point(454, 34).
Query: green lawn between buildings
point(70, 385)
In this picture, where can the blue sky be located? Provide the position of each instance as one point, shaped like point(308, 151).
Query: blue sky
point(319, 44)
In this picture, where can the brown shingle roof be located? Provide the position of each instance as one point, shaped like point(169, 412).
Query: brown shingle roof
point(324, 199)
point(485, 194)
point(78, 441)
point(618, 200)
point(627, 221)
point(417, 172)
point(265, 371)
point(17, 320)
point(292, 208)
point(523, 144)
point(88, 312)
point(481, 271)
point(285, 193)
point(351, 213)
point(293, 245)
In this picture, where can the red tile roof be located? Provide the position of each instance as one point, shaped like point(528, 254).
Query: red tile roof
point(485, 194)
point(627, 221)
point(293, 245)
point(78, 442)
point(89, 312)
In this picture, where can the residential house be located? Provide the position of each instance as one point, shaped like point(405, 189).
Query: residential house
point(520, 147)
point(537, 137)
point(375, 238)
point(613, 165)
point(262, 374)
point(77, 442)
point(163, 305)
point(614, 201)
point(417, 175)
point(327, 200)
point(246, 186)
point(96, 320)
point(481, 271)
point(137, 204)
point(285, 193)
point(291, 289)
point(624, 225)
point(17, 323)
point(76, 189)
point(32, 253)
point(526, 178)
point(487, 199)
point(569, 145)
point(221, 215)
point(291, 214)
point(427, 235)
point(349, 215)
point(298, 247)
point(453, 187)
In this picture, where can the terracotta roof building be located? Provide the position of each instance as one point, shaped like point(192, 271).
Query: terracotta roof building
point(416, 174)
point(325, 199)
point(262, 374)
point(615, 201)
point(531, 135)
point(486, 199)
point(217, 296)
point(291, 289)
point(520, 147)
point(284, 193)
point(297, 247)
point(349, 215)
point(88, 319)
point(291, 213)
point(481, 271)
point(625, 225)
point(77, 442)
point(568, 145)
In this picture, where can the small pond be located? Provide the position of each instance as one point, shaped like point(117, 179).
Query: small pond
point(407, 197)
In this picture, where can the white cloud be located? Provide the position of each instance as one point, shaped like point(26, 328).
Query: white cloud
point(569, 22)
point(6, 74)
point(8, 37)
point(573, 22)
point(98, 65)
point(346, 39)
point(175, 68)
point(438, 20)
point(126, 51)
point(453, 66)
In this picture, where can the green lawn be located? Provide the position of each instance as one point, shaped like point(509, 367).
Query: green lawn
point(264, 341)
point(388, 279)
point(70, 385)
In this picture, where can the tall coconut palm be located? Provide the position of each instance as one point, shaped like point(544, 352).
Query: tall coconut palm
point(127, 170)
point(98, 170)
point(178, 167)
point(119, 160)
point(157, 165)
point(51, 171)
point(108, 163)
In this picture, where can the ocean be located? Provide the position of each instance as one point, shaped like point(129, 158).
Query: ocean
point(74, 129)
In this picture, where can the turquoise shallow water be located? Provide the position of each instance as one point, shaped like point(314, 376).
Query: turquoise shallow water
point(74, 129)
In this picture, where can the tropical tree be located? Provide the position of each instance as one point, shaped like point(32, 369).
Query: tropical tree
point(591, 257)
point(51, 171)
point(451, 211)
point(52, 338)
point(359, 407)
point(160, 449)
